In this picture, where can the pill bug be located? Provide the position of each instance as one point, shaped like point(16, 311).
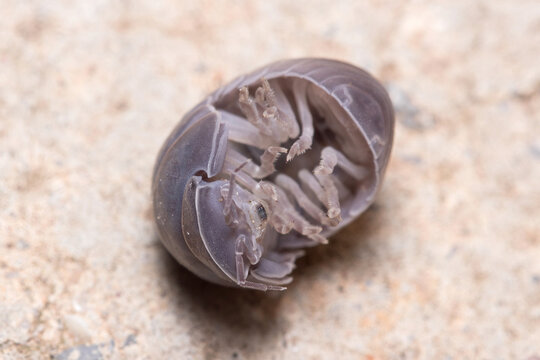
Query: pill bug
point(269, 164)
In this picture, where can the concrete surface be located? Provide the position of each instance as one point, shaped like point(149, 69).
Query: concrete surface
point(446, 265)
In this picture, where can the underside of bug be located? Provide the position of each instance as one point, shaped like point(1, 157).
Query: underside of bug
point(286, 165)
point(298, 196)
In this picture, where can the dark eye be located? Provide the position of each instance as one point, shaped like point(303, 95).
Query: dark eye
point(261, 212)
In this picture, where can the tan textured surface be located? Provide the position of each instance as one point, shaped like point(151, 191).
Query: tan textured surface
point(446, 265)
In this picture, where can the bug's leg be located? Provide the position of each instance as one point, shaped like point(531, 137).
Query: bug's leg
point(267, 160)
point(284, 214)
point(281, 223)
point(323, 173)
point(241, 250)
point(309, 181)
point(272, 118)
point(242, 271)
point(305, 140)
point(289, 256)
point(227, 206)
point(295, 241)
point(275, 266)
point(292, 187)
point(332, 186)
point(269, 113)
point(243, 132)
point(267, 121)
point(276, 111)
point(248, 248)
point(263, 188)
point(249, 107)
point(358, 172)
point(276, 272)
point(343, 192)
point(274, 97)
point(323, 187)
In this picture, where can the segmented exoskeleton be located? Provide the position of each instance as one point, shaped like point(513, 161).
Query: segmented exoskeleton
point(269, 164)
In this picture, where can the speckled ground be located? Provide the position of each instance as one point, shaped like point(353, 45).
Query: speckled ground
point(445, 265)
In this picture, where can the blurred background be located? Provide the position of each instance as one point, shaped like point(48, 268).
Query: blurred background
point(445, 264)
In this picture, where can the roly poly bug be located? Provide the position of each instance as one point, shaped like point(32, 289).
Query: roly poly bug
point(233, 211)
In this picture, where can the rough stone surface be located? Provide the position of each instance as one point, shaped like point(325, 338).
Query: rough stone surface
point(445, 265)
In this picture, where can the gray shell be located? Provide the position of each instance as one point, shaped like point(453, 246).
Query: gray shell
point(188, 174)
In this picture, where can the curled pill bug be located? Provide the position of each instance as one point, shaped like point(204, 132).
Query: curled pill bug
point(269, 164)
